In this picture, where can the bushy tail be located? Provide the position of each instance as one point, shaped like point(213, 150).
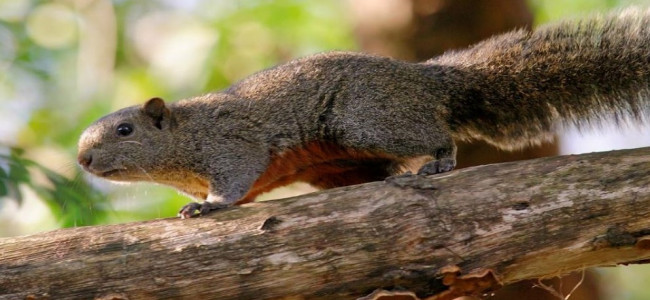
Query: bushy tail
point(515, 87)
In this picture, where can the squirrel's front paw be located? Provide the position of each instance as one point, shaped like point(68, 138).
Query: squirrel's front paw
point(194, 209)
point(437, 166)
point(190, 210)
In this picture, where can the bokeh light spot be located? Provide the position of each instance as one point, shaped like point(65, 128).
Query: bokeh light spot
point(13, 10)
point(52, 26)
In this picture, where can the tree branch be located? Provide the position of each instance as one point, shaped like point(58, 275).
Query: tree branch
point(462, 232)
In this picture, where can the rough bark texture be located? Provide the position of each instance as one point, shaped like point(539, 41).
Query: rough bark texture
point(467, 231)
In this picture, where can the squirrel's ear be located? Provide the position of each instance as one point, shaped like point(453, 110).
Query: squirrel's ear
point(156, 109)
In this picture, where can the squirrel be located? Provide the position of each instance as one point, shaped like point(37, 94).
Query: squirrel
point(342, 118)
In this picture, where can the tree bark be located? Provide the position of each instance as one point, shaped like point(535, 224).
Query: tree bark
point(464, 232)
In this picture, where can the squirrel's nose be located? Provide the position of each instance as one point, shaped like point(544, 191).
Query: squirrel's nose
point(85, 158)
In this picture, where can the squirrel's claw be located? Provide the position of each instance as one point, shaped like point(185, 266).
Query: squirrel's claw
point(437, 166)
point(190, 210)
point(195, 209)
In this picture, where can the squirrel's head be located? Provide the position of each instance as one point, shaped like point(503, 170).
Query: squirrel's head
point(129, 144)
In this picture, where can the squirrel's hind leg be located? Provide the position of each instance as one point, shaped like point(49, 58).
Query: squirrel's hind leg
point(419, 133)
point(412, 150)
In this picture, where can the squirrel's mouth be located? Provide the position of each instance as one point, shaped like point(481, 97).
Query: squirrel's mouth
point(110, 173)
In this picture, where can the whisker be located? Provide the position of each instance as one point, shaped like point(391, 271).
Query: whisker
point(133, 142)
point(139, 167)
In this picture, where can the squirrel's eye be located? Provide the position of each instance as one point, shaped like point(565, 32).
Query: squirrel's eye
point(124, 129)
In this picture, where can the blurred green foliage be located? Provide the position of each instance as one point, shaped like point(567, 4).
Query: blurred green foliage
point(73, 201)
point(546, 11)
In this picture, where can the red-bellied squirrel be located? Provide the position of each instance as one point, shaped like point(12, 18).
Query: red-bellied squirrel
point(340, 118)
